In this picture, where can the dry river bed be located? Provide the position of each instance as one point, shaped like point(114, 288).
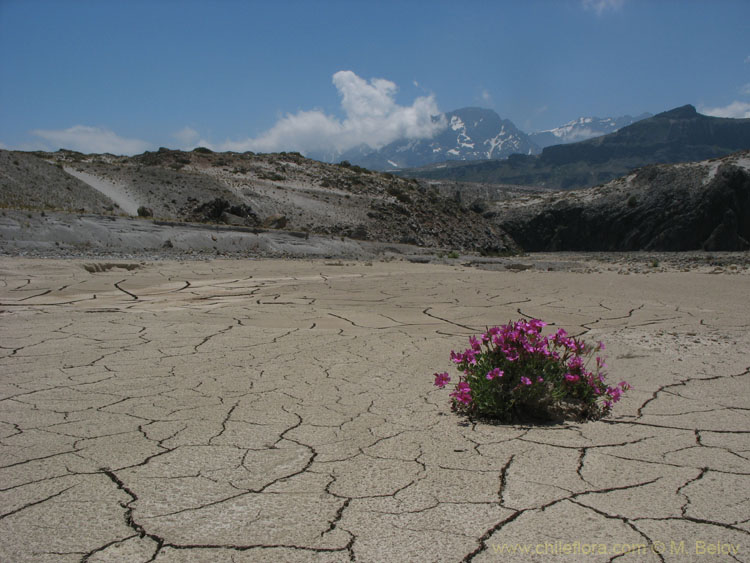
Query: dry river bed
point(271, 410)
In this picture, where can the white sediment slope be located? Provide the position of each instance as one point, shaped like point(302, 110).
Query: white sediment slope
point(116, 192)
point(22, 232)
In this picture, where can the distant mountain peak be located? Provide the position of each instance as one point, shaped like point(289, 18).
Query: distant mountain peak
point(683, 112)
point(472, 133)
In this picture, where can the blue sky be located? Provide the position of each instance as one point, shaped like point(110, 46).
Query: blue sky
point(134, 75)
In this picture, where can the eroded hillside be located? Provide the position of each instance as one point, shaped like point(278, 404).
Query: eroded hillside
point(280, 191)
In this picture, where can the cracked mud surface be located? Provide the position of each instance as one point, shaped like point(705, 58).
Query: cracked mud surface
point(284, 411)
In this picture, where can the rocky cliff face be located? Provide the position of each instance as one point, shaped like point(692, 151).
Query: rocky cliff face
point(704, 205)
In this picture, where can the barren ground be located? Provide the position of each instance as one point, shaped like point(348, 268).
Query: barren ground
point(274, 410)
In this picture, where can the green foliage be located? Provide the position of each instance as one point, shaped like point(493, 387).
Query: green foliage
point(354, 167)
point(398, 193)
point(273, 176)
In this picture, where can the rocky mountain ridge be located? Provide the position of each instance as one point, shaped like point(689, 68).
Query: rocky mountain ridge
point(476, 134)
point(678, 135)
point(582, 129)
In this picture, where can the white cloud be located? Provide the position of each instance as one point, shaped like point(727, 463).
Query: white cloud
point(735, 109)
point(187, 137)
point(580, 135)
point(372, 117)
point(746, 89)
point(601, 6)
point(747, 59)
point(486, 97)
point(91, 140)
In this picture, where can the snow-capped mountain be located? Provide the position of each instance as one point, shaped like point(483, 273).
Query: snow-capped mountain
point(476, 134)
point(468, 134)
point(583, 128)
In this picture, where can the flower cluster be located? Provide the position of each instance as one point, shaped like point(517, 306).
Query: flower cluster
point(513, 372)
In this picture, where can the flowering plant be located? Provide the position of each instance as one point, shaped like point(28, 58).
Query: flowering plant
point(512, 372)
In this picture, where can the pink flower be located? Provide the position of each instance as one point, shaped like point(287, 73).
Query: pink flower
point(464, 398)
point(462, 394)
point(510, 354)
point(615, 393)
point(493, 373)
point(523, 343)
point(560, 336)
point(536, 325)
point(441, 379)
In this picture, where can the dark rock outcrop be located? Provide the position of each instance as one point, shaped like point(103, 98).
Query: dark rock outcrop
point(275, 222)
point(661, 207)
point(219, 210)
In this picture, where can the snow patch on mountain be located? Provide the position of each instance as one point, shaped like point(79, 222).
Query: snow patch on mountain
point(583, 128)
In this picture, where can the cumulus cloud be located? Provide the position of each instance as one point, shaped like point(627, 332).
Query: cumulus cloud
point(86, 139)
point(735, 109)
point(601, 6)
point(187, 137)
point(371, 117)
